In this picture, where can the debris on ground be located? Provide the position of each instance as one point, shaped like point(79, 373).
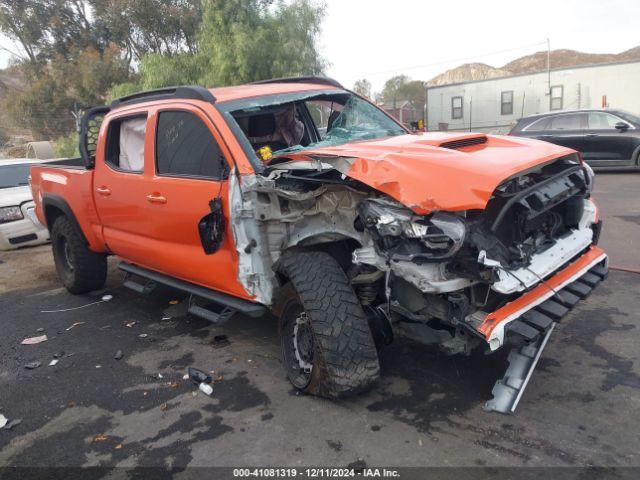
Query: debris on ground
point(13, 423)
point(221, 341)
point(163, 407)
point(105, 298)
point(143, 335)
point(130, 324)
point(174, 385)
point(100, 438)
point(198, 376)
point(164, 319)
point(74, 325)
point(118, 446)
point(174, 302)
point(53, 362)
point(59, 355)
point(185, 376)
point(118, 355)
point(34, 340)
point(40, 330)
point(98, 366)
point(206, 389)
point(32, 365)
point(3, 421)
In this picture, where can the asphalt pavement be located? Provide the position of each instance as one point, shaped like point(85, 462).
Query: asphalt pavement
point(90, 409)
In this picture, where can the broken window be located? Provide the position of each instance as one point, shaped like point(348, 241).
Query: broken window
point(186, 147)
point(317, 121)
point(125, 143)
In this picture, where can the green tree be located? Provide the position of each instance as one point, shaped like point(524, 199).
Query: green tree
point(241, 41)
point(362, 87)
point(400, 88)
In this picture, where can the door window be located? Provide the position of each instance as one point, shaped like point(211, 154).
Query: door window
point(567, 122)
point(186, 147)
point(602, 121)
point(125, 144)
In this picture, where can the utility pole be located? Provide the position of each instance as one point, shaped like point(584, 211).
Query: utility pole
point(549, 71)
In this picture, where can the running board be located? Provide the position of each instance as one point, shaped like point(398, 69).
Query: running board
point(508, 391)
point(222, 314)
point(226, 303)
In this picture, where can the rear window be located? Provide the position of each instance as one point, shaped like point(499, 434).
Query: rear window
point(14, 175)
point(567, 122)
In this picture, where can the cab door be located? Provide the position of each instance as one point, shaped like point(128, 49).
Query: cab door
point(186, 195)
point(118, 184)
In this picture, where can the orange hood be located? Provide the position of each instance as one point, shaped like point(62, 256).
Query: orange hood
point(421, 174)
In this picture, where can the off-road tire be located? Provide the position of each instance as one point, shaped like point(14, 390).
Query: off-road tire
point(345, 360)
point(80, 270)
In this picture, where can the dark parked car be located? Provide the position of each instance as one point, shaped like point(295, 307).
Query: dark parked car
point(606, 138)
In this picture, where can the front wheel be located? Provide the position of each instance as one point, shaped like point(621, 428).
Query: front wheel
point(327, 347)
point(80, 270)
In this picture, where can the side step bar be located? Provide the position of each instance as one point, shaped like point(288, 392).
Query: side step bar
point(508, 391)
point(226, 305)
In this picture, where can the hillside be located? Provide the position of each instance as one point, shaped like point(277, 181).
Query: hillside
point(536, 62)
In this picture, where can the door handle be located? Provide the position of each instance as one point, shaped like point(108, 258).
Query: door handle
point(156, 198)
point(104, 191)
point(591, 135)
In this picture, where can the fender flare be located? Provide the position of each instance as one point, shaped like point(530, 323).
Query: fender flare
point(53, 200)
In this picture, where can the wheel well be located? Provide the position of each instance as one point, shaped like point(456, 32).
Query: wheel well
point(340, 250)
point(51, 213)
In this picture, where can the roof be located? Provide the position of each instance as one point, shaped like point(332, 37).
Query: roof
point(239, 92)
point(559, 112)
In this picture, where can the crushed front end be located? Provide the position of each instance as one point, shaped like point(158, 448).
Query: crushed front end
point(488, 278)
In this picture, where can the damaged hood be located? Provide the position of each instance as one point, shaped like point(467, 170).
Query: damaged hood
point(437, 171)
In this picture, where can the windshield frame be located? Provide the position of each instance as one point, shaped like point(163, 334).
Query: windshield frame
point(227, 108)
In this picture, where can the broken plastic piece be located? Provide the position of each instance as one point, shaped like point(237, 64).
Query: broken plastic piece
point(118, 355)
point(204, 388)
point(32, 365)
point(53, 362)
point(3, 421)
point(34, 340)
point(106, 298)
point(198, 376)
point(13, 423)
point(75, 324)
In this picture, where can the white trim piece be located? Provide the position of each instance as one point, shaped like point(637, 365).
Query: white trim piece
point(496, 338)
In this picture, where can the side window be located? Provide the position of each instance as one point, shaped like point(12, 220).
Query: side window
point(557, 96)
point(567, 122)
point(506, 103)
point(539, 125)
point(603, 121)
point(125, 143)
point(456, 108)
point(185, 146)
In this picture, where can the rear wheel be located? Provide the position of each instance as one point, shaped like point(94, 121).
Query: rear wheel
point(327, 347)
point(80, 270)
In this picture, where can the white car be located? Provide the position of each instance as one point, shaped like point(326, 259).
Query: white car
point(19, 226)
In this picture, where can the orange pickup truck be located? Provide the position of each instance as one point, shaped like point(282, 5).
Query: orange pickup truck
point(299, 197)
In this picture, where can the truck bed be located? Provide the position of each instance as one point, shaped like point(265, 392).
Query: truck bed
point(65, 186)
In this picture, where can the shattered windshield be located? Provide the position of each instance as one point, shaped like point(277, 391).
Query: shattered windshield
point(282, 124)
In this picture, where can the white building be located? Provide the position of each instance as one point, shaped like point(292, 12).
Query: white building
point(493, 105)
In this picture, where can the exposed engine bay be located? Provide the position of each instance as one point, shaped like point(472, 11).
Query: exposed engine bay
point(424, 276)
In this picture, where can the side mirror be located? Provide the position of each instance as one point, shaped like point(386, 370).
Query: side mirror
point(622, 126)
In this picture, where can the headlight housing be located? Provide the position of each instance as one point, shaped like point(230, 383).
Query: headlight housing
point(10, 214)
point(440, 235)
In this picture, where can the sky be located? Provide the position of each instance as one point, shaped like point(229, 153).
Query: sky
point(376, 39)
